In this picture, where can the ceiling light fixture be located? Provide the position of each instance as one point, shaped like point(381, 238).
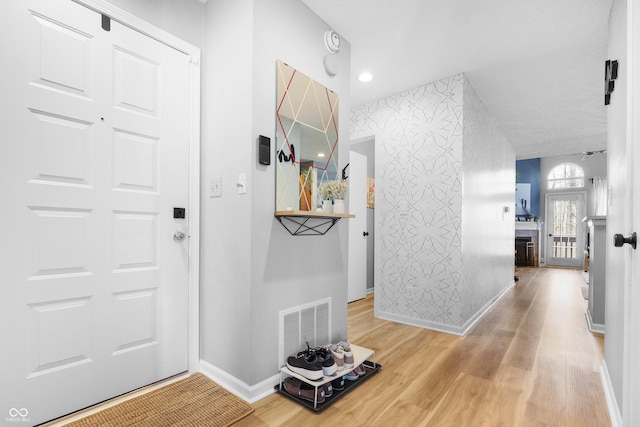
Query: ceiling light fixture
point(320, 155)
point(365, 77)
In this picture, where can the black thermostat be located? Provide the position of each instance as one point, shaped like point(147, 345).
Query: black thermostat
point(264, 150)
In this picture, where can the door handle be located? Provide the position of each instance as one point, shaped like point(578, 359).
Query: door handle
point(179, 235)
point(365, 233)
point(619, 240)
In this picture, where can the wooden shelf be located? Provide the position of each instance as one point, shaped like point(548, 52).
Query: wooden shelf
point(309, 223)
point(314, 214)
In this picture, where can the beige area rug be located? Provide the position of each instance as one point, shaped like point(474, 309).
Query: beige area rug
point(193, 401)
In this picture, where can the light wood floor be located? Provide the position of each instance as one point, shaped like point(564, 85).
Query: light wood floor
point(531, 361)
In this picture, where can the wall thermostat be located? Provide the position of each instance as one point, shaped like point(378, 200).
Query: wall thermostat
point(264, 150)
point(332, 41)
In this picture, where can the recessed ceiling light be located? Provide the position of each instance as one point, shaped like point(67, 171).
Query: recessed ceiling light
point(365, 77)
point(320, 154)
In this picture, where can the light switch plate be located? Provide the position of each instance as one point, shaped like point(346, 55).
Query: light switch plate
point(215, 187)
point(242, 183)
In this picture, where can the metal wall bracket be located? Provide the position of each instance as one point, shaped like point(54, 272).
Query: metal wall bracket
point(307, 226)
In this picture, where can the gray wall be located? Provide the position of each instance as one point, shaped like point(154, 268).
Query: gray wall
point(251, 268)
point(225, 233)
point(421, 212)
point(614, 345)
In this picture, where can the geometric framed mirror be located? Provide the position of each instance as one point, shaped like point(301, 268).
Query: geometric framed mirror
point(306, 139)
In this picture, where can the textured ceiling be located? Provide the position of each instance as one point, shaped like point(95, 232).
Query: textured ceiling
point(538, 66)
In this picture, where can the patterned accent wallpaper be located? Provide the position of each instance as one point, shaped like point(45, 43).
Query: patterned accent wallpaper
point(419, 140)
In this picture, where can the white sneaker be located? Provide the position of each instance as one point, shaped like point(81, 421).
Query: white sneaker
point(348, 354)
point(338, 355)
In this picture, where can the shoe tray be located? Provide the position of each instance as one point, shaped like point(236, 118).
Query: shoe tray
point(370, 369)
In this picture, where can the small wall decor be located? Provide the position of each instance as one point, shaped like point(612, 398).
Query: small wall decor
point(371, 193)
point(344, 172)
point(523, 201)
point(306, 135)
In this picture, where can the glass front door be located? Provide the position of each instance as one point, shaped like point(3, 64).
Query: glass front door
point(565, 234)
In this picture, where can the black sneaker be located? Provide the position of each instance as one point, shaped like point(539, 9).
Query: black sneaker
point(338, 384)
point(329, 366)
point(306, 364)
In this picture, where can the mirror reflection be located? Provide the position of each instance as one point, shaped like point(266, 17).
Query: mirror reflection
point(306, 139)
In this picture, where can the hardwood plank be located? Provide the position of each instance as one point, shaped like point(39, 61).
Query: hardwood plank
point(402, 414)
point(486, 362)
point(460, 406)
point(522, 352)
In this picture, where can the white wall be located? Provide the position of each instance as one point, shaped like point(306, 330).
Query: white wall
point(420, 242)
point(181, 18)
point(251, 268)
point(488, 170)
point(614, 345)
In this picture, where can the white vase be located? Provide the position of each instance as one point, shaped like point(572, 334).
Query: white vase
point(338, 206)
point(327, 206)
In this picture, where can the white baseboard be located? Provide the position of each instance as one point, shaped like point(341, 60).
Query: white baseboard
point(612, 404)
point(597, 328)
point(443, 327)
point(484, 310)
point(244, 391)
point(420, 323)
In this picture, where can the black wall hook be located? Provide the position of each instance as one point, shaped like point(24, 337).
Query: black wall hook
point(344, 172)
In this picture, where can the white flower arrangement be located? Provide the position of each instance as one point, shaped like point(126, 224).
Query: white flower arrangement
point(324, 191)
point(336, 189)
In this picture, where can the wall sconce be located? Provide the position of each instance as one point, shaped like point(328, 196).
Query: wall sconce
point(610, 74)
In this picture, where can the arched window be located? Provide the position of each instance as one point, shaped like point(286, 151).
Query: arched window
point(565, 176)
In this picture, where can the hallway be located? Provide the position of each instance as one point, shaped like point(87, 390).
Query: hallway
point(530, 361)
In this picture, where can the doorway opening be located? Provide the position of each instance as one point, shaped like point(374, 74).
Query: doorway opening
point(363, 235)
point(565, 234)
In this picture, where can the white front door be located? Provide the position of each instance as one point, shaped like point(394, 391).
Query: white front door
point(631, 293)
point(565, 230)
point(357, 287)
point(94, 157)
